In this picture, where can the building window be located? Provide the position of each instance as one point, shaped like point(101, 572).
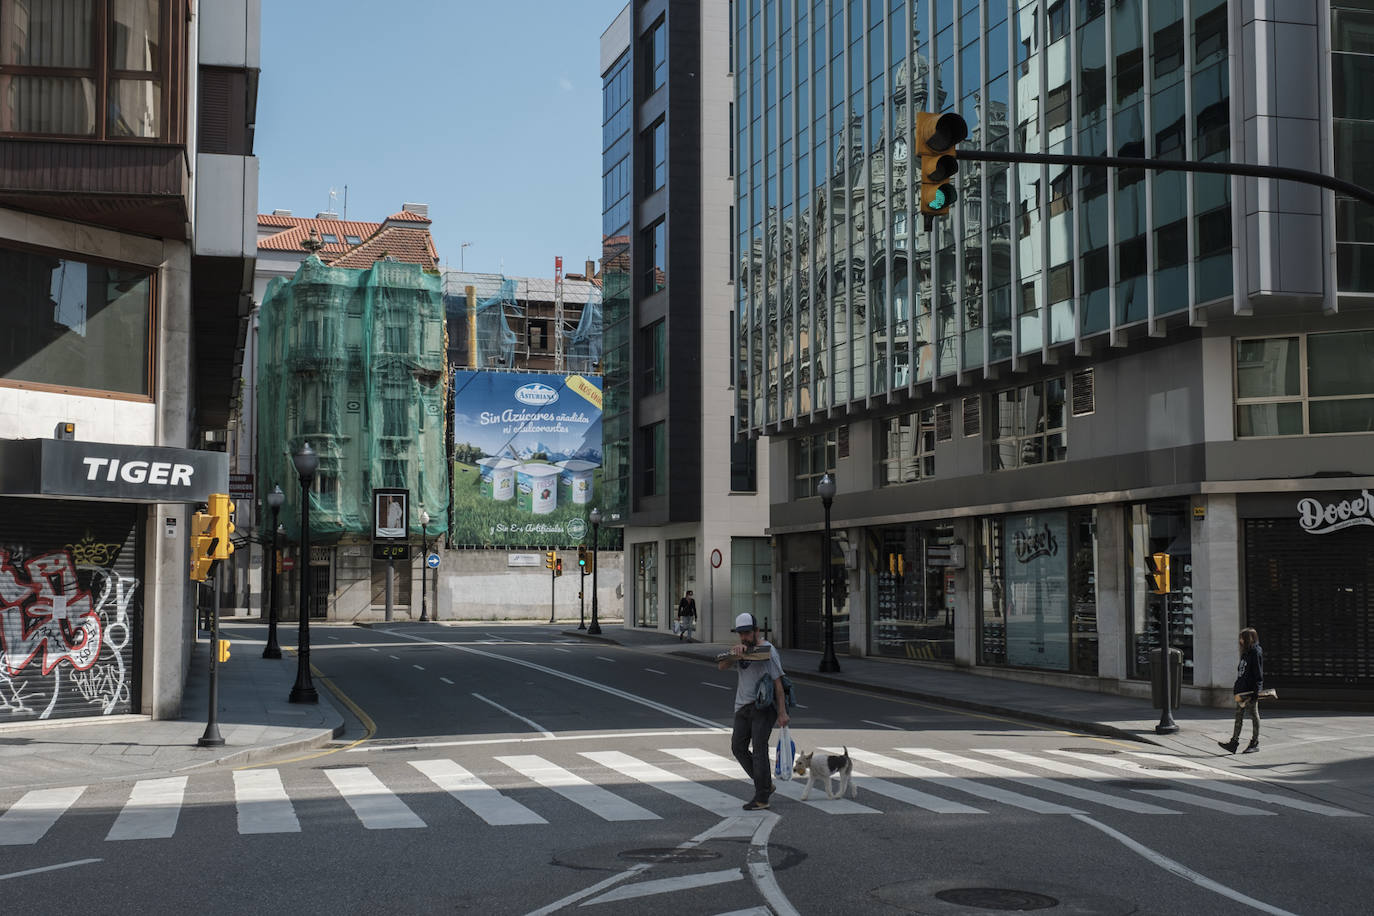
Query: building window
point(654, 459)
point(908, 448)
point(814, 457)
point(330, 238)
point(657, 148)
point(75, 324)
point(655, 257)
point(657, 44)
point(653, 343)
point(743, 463)
point(85, 68)
point(353, 239)
point(1310, 384)
point(1030, 426)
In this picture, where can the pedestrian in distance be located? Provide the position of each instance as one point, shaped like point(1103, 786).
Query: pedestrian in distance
point(1249, 683)
point(686, 616)
point(758, 661)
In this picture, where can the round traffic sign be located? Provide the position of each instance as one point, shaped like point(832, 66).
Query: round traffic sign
point(432, 561)
point(716, 559)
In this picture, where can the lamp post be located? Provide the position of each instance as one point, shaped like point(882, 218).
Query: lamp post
point(424, 567)
point(275, 500)
point(826, 490)
point(306, 462)
point(595, 517)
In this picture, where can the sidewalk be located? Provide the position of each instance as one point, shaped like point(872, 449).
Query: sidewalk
point(1329, 752)
point(255, 719)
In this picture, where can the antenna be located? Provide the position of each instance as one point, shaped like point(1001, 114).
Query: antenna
point(460, 254)
point(345, 214)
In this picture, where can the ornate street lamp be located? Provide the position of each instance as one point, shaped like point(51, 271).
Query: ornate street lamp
point(595, 517)
point(307, 462)
point(275, 500)
point(826, 490)
point(424, 568)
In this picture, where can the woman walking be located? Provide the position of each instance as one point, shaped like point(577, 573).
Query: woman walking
point(1249, 683)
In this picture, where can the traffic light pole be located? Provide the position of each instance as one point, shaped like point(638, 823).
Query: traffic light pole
point(553, 592)
point(212, 737)
point(582, 597)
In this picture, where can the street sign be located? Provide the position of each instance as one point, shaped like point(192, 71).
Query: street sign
point(432, 561)
point(241, 486)
point(715, 559)
point(391, 551)
point(288, 563)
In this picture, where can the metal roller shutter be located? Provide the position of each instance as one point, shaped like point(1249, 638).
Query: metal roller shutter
point(71, 604)
point(1311, 597)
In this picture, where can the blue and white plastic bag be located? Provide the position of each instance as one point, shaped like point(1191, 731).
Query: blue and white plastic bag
point(786, 754)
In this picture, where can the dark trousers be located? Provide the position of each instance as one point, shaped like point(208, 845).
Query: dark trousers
point(754, 726)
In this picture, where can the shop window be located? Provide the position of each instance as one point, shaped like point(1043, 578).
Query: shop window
point(912, 604)
point(907, 452)
point(681, 556)
point(1160, 527)
point(75, 324)
point(813, 457)
point(1030, 425)
point(1309, 384)
point(646, 584)
point(751, 578)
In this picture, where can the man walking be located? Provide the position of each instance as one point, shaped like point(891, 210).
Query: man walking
point(758, 662)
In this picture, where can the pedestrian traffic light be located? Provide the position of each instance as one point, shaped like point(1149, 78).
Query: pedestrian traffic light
point(202, 545)
point(590, 566)
point(223, 653)
point(581, 558)
point(222, 509)
point(1157, 565)
point(558, 567)
point(550, 558)
point(936, 138)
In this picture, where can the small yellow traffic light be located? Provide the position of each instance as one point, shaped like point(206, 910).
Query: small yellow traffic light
point(223, 653)
point(936, 138)
point(550, 559)
point(581, 558)
point(1157, 565)
point(222, 509)
point(202, 545)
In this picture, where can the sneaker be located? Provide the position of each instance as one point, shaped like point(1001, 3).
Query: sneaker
point(1229, 746)
point(1251, 748)
point(755, 805)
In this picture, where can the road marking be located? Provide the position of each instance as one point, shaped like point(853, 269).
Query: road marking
point(1039, 782)
point(761, 870)
point(262, 803)
point(726, 766)
point(373, 649)
point(559, 649)
point(959, 784)
point(532, 724)
point(1202, 801)
point(669, 885)
point(680, 787)
point(393, 658)
point(480, 798)
point(1227, 788)
point(38, 871)
point(152, 810)
point(1181, 870)
point(472, 742)
point(717, 686)
point(446, 681)
point(373, 802)
point(31, 817)
point(417, 668)
point(895, 728)
point(655, 671)
point(574, 788)
point(605, 659)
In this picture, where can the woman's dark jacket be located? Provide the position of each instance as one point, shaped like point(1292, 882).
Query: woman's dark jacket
point(1250, 671)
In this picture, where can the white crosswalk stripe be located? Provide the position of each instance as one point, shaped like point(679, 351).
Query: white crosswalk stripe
point(152, 811)
point(1202, 801)
point(605, 805)
point(960, 784)
point(480, 798)
point(693, 793)
point(262, 803)
point(30, 817)
point(373, 802)
point(726, 766)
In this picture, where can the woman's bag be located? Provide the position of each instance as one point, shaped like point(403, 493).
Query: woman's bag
point(786, 754)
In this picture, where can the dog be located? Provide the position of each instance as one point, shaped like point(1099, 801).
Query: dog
point(826, 769)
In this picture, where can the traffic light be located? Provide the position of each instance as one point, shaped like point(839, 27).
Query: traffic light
point(936, 138)
point(1157, 566)
point(558, 567)
point(202, 545)
point(222, 510)
point(550, 559)
point(581, 559)
point(223, 654)
point(590, 566)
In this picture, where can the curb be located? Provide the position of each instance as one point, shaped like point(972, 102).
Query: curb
point(260, 752)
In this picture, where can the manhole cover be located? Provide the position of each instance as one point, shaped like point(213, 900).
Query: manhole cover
point(1104, 751)
point(996, 898)
point(669, 854)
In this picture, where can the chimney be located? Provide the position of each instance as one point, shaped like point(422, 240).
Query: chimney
point(591, 269)
point(417, 209)
point(327, 214)
point(281, 212)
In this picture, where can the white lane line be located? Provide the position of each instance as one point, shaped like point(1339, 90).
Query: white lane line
point(693, 793)
point(554, 672)
point(605, 659)
point(152, 810)
point(655, 671)
point(1032, 781)
point(668, 885)
point(31, 817)
point(531, 723)
point(417, 668)
point(761, 870)
point(480, 798)
point(717, 686)
point(446, 681)
point(330, 636)
point(1181, 870)
point(967, 786)
point(574, 788)
point(1228, 788)
point(726, 766)
point(752, 911)
point(473, 742)
point(895, 728)
point(504, 639)
point(263, 806)
point(394, 658)
point(1202, 801)
point(559, 649)
point(376, 806)
point(38, 871)
point(373, 649)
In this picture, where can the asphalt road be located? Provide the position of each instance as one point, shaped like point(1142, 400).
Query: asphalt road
point(513, 770)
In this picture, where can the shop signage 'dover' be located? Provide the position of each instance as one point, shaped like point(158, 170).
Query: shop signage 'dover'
point(1316, 518)
point(1032, 544)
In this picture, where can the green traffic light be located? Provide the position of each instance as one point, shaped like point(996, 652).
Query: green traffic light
point(938, 201)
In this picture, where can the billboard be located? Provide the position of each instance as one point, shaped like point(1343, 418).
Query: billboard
point(526, 458)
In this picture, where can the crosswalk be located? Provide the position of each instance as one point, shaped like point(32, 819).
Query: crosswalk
point(596, 783)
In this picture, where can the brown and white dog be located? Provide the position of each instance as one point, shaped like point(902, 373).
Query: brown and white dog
point(826, 769)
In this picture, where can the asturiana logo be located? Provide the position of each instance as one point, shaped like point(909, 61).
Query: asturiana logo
point(536, 394)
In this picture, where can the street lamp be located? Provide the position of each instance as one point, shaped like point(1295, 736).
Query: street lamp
point(275, 500)
point(424, 568)
point(306, 462)
point(826, 490)
point(595, 517)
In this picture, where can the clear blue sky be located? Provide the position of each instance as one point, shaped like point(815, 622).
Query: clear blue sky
point(490, 112)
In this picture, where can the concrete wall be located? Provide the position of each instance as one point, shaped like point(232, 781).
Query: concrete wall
point(480, 585)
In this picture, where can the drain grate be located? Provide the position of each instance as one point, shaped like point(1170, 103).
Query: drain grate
point(669, 855)
point(996, 898)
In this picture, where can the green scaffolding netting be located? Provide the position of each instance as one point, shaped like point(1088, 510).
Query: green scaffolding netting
point(352, 361)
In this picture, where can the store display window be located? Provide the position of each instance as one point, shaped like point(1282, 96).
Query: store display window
point(912, 604)
point(1160, 527)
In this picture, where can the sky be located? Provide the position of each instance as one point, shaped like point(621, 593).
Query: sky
point(490, 112)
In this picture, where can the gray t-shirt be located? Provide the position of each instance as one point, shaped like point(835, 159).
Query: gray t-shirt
point(750, 673)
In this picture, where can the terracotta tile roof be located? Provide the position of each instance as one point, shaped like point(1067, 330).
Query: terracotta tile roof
point(295, 229)
point(410, 243)
point(406, 215)
point(404, 243)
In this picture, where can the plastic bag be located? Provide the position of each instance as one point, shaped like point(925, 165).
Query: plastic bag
point(786, 754)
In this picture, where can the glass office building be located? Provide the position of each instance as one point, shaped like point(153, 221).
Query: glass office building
point(1078, 364)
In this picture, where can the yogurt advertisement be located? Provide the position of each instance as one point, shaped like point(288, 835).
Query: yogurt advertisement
point(526, 457)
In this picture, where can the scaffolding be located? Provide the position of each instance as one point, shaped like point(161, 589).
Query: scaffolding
point(500, 322)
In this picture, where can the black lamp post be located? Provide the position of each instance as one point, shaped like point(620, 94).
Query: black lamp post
point(826, 490)
point(424, 568)
point(307, 462)
point(595, 517)
point(275, 500)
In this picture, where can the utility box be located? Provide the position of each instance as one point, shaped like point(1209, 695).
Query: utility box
point(1157, 678)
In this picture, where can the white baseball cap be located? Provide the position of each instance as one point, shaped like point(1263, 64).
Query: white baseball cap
point(745, 622)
